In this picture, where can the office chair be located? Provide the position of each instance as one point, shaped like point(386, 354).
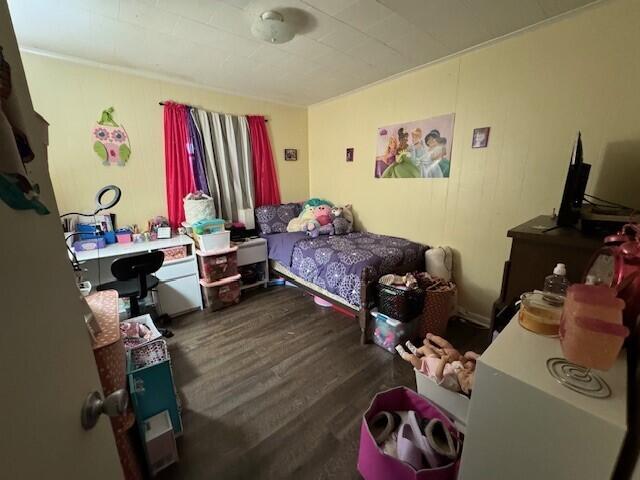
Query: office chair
point(133, 277)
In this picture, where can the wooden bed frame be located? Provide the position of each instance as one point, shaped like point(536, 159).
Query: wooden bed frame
point(368, 299)
point(368, 282)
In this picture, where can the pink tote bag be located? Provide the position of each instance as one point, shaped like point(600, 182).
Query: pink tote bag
point(373, 464)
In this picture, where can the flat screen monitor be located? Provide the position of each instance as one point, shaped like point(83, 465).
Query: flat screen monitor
point(574, 187)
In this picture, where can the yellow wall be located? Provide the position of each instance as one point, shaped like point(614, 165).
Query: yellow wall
point(72, 96)
point(535, 90)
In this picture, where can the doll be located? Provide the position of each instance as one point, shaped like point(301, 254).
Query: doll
point(441, 362)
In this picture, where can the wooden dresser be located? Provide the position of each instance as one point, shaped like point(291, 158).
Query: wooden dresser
point(535, 249)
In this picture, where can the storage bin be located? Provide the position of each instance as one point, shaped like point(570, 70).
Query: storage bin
point(222, 293)
point(390, 332)
point(375, 464)
point(438, 308)
point(123, 236)
point(211, 225)
point(216, 265)
point(89, 244)
point(151, 383)
point(146, 320)
point(454, 404)
point(213, 241)
point(400, 303)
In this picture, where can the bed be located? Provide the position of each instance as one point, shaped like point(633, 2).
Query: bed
point(343, 269)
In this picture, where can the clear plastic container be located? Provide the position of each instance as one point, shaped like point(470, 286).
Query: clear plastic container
point(390, 332)
point(538, 315)
point(591, 329)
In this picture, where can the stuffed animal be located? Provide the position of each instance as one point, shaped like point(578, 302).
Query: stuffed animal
point(342, 220)
point(321, 230)
point(300, 223)
point(322, 223)
point(441, 362)
point(407, 280)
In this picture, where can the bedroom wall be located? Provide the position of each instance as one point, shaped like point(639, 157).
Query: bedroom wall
point(534, 90)
point(82, 92)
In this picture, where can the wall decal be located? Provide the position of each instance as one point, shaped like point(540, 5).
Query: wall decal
point(480, 137)
point(110, 140)
point(420, 149)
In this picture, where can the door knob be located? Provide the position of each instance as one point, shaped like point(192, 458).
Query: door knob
point(113, 405)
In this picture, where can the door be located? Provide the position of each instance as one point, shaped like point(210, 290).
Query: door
point(46, 362)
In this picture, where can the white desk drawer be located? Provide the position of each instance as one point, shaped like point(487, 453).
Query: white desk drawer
point(180, 295)
point(177, 269)
point(252, 254)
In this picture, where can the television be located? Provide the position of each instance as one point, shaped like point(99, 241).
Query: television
point(574, 187)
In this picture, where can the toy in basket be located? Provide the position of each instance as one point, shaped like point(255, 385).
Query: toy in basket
point(440, 361)
point(390, 332)
point(399, 297)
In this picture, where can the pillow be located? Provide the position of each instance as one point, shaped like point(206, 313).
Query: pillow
point(274, 218)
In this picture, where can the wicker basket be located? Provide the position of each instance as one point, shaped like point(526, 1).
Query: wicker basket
point(436, 311)
point(398, 303)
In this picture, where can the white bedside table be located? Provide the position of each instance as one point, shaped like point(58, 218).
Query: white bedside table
point(254, 251)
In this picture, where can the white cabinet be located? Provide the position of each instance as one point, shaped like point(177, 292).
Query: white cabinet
point(524, 425)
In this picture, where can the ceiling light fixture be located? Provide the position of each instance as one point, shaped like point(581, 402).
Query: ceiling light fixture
point(271, 27)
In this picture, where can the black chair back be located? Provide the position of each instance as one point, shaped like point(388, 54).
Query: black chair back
point(138, 266)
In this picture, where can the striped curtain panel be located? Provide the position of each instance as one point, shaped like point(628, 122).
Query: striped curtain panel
point(228, 162)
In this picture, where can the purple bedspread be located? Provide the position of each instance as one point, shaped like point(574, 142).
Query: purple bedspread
point(335, 263)
point(280, 245)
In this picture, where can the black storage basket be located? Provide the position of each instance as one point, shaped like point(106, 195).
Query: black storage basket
point(398, 303)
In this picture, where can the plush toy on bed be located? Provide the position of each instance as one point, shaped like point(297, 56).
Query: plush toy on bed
point(307, 215)
point(342, 220)
point(322, 222)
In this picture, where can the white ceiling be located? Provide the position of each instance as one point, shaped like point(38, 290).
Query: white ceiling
point(344, 44)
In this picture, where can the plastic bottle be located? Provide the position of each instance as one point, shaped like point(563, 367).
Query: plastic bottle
point(556, 284)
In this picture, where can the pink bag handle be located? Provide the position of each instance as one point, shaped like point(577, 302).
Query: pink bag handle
point(599, 326)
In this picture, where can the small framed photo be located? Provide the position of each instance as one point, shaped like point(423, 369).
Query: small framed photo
point(349, 156)
point(290, 154)
point(480, 137)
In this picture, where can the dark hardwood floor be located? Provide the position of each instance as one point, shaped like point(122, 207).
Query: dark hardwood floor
point(275, 388)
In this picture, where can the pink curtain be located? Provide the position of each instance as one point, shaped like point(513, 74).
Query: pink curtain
point(178, 174)
point(265, 178)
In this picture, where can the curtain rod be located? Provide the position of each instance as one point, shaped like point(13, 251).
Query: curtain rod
point(162, 104)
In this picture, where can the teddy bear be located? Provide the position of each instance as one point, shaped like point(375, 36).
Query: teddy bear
point(441, 362)
point(342, 220)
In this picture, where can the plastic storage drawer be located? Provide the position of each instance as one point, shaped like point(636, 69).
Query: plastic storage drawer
point(221, 294)
point(217, 265)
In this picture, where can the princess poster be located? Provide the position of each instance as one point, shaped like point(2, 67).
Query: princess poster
point(420, 149)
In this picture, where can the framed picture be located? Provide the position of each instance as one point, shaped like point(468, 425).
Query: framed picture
point(417, 149)
point(290, 154)
point(480, 137)
point(349, 154)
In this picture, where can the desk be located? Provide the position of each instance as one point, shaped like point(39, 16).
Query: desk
point(178, 291)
